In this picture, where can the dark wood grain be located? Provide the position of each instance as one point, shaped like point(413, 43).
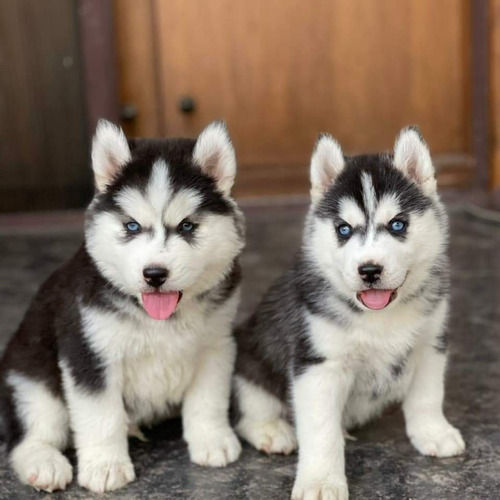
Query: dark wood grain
point(43, 145)
point(495, 98)
point(99, 61)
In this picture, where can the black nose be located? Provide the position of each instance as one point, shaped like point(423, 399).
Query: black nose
point(155, 276)
point(370, 272)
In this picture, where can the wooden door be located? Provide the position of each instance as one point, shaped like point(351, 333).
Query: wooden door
point(495, 99)
point(43, 137)
point(279, 72)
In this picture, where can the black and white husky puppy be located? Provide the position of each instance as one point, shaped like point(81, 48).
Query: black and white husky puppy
point(359, 320)
point(137, 322)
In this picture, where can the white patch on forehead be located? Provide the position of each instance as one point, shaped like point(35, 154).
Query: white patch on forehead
point(351, 212)
point(387, 209)
point(369, 196)
point(133, 203)
point(159, 190)
point(182, 205)
point(148, 209)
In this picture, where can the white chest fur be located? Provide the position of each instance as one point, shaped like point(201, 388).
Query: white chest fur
point(378, 351)
point(155, 381)
point(155, 360)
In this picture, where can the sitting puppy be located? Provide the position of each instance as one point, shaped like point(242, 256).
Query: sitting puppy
point(358, 322)
point(138, 321)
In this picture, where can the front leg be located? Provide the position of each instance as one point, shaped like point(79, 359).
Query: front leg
point(99, 422)
point(319, 397)
point(426, 426)
point(210, 439)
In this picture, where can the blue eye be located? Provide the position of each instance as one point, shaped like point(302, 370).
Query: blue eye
point(344, 230)
point(133, 227)
point(398, 225)
point(186, 227)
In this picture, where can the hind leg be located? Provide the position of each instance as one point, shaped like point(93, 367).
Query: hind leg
point(43, 418)
point(262, 423)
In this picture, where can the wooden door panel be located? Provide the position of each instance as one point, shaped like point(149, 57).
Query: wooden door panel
point(495, 94)
point(279, 72)
point(43, 150)
point(137, 65)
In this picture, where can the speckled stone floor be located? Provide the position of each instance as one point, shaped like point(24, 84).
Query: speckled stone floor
point(381, 464)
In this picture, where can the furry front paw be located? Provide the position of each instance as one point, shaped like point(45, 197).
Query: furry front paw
point(101, 476)
point(275, 436)
point(436, 439)
point(328, 489)
point(214, 449)
point(45, 468)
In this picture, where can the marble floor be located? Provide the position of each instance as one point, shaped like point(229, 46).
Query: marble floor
point(381, 464)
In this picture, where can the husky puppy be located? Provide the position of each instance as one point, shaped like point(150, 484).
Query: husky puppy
point(358, 322)
point(138, 321)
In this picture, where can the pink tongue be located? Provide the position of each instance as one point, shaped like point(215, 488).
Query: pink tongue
point(375, 299)
point(160, 305)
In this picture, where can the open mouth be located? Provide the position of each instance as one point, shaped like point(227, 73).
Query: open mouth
point(376, 299)
point(161, 305)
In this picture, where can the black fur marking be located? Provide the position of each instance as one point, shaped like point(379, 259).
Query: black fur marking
point(274, 342)
point(415, 129)
point(399, 236)
point(183, 174)
point(435, 287)
point(322, 135)
point(50, 331)
point(189, 236)
point(314, 290)
point(304, 356)
point(85, 366)
point(398, 368)
point(32, 351)
point(343, 239)
point(12, 430)
point(441, 344)
point(225, 289)
point(340, 240)
point(265, 340)
point(353, 306)
point(234, 408)
point(86, 286)
point(386, 179)
point(129, 236)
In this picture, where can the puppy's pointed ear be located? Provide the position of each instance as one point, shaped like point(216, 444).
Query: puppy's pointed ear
point(214, 154)
point(326, 164)
point(412, 157)
point(110, 153)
